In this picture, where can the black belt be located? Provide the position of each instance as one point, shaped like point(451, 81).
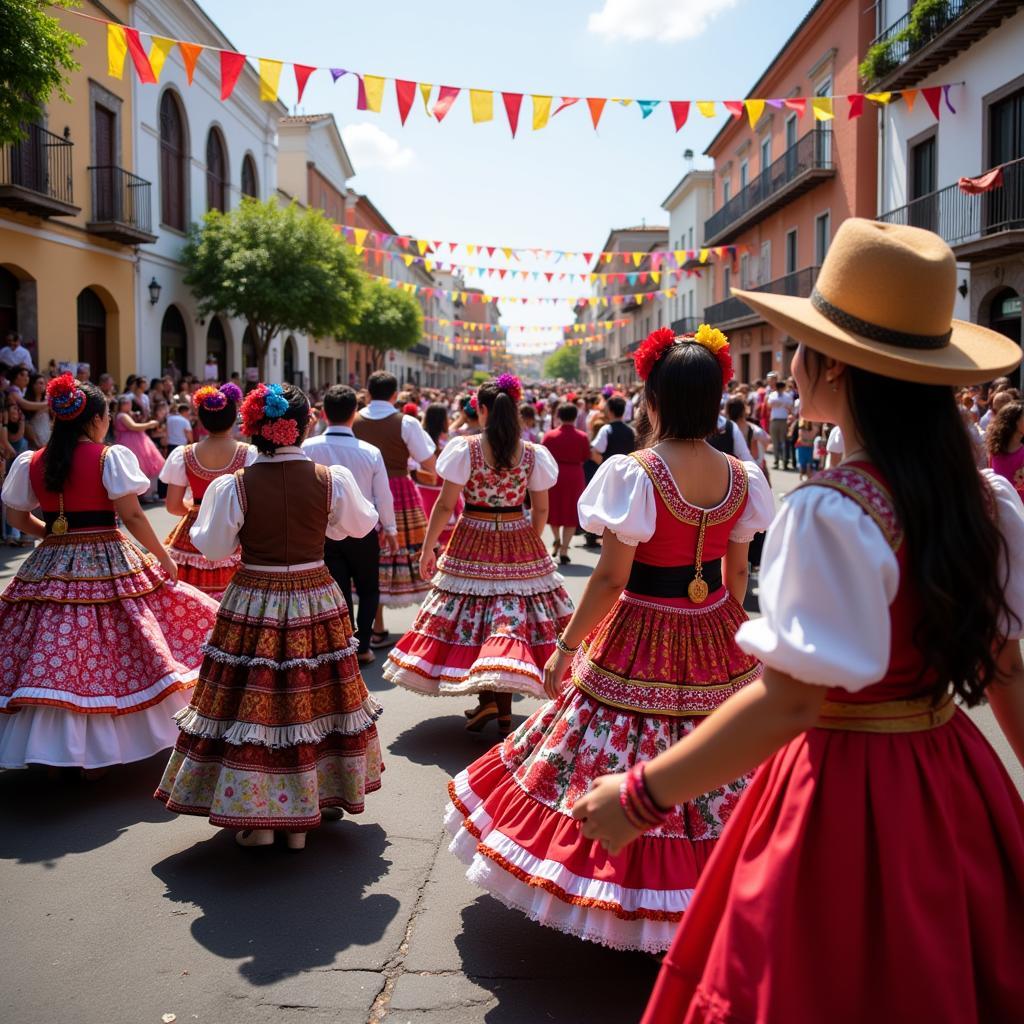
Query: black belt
point(494, 509)
point(671, 580)
point(82, 520)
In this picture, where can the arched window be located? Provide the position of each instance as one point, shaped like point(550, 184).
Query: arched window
point(217, 346)
point(290, 360)
point(173, 340)
point(92, 332)
point(216, 172)
point(173, 162)
point(250, 355)
point(250, 183)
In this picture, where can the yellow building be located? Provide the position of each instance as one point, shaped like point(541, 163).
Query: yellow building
point(72, 214)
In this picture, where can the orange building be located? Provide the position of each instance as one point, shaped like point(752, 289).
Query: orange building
point(783, 186)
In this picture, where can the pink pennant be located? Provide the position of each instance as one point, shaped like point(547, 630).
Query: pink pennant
point(567, 101)
point(139, 58)
point(445, 99)
point(735, 107)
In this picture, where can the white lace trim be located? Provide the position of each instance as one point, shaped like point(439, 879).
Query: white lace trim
point(436, 685)
point(477, 586)
point(216, 654)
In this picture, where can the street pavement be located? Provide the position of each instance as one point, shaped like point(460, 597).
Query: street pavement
point(116, 912)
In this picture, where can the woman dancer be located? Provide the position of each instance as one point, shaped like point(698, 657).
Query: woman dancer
point(435, 423)
point(186, 469)
point(571, 449)
point(497, 603)
point(874, 869)
point(134, 437)
point(655, 633)
point(1004, 441)
point(97, 650)
point(281, 725)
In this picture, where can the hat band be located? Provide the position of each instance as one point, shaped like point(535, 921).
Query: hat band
point(876, 332)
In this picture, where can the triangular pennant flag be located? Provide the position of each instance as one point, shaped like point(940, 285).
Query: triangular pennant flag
point(360, 235)
point(158, 51)
point(513, 101)
point(646, 106)
point(706, 107)
point(822, 107)
point(508, 253)
point(945, 96)
point(139, 58)
point(596, 105)
point(371, 93)
point(423, 245)
point(933, 96)
point(481, 105)
point(270, 79)
point(776, 104)
point(735, 107)
point(302, 73)
point(405, 93)
point(117, 50)
point(856, 101)
point(909, 96)
point(337, 73)
point(680, 112)
point(567, 101)
point(445, 99)
point(881, 98)
point(190, 56)
point(541, 111)
point(637, 257)
point(755, 108)
point(703, 255)
point(588, 257)
point(797, 103)
point(425, 90)
point(231, 65)
point(656, 276)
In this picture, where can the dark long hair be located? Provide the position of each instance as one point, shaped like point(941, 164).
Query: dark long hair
point(435, 421)
point(1003, 427)
point(954, 548)
point(65, 435)
point(685, 389)
point(502, 430)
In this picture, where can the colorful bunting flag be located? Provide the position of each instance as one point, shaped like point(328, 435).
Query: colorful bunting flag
point(933, 96)
point(337, 73)
point(567, 101)
point(797, 103)
point(481, 105)
point(231, 65)
point(190, 56)
point(445, 98)
point(680, 112)
point(735, 107)
point(856, 101)
point(755, 108)
point(822, 107)
point(596, 106)
point(117, 50)
point(541, 111)
point(706, 107)
point(425, 90)
point(646, 107)
point(270, 79)
point(909, 96)
point(158, 51)
point(139, 58)
point(405, 93)
point(513, 101)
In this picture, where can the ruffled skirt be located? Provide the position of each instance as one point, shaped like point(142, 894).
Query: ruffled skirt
point(281, 724)
point(193, 567)
point(429, 496)
point(400, 582)
point(490, 619)
point(97, 653)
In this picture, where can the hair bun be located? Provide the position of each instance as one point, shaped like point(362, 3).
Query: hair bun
point(65, 398)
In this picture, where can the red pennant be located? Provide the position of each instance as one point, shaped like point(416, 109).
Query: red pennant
point(405, 92)
point(567, 101)
point(588, 256)
point(513, 101)
point(302, 73)
point(797, 103)
point(189, 55)
point(548, 276)
point(856, 104)
point(680, 112)
point(596, 105)
point(139, 58)
point(735, 107)
point(445, 99)
point(490, 250)
point(502, 272)
point(933, 96)
point(231, 65)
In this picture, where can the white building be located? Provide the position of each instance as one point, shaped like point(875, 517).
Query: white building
point(200, 153)
point(979, 43)
point(689, 205)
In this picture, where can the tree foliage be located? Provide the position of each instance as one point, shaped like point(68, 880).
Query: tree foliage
point(280, 268)
point(564, 362)
point(36, 59)
point(391, 320)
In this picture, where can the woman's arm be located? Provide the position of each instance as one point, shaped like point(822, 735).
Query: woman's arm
point(29, 406)
point(1006, 697)
point(128, 423)
point(175, 503)
point(539, 512)
point(139, 526)
point(603, 588)
point(735, 565)
point(26, 522)
point(439, 517)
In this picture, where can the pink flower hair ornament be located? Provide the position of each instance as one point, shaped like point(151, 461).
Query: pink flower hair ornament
point(281, 432)
point(511, 385)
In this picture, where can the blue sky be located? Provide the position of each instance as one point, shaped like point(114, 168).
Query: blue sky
point(563, 187)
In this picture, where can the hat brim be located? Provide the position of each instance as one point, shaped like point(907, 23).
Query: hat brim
point(974, 354)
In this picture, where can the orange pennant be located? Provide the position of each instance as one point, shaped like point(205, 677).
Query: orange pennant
point(189, 55)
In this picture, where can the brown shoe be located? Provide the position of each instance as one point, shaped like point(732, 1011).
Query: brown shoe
point(366, 657)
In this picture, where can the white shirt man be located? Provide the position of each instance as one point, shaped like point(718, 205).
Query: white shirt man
point(13, 353)
point(179, 430)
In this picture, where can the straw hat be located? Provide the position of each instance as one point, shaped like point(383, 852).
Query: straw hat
point(884, 302)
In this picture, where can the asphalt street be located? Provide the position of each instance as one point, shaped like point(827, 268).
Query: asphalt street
point(117, 912)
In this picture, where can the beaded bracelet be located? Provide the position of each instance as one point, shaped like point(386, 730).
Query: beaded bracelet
point(628, 810)
point(640, 808)
point(564, 648)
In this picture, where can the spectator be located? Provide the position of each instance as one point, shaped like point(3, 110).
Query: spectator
point(13, 353)
point(571, 448)
point(779, 402)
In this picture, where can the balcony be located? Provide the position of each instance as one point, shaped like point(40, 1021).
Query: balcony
point(445, 360)
point(595, 355)
point(419, 349)
point(806, 163)
point(121, 206)
point(35, 174)
point(915, 46)
point(687, 325)
point(733, 312)
point(979, 227)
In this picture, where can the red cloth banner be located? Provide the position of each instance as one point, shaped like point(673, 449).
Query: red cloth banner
point(983, 183)
point(797, 103)
point(231, 65)
point(302, 73)
point(680, 112)
point(735, 107)
point(405, 93)
point(513, 101)
point(445, 99)
point(856, 104)
point(933, 97)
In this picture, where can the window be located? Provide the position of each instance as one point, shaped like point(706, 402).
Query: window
point(922, 168)
point(791, 251)
point(216, 172)
point(744, 173)
point(726, 282)
point(1006, 129)
point(764, 272)
point(822, 236)
point(766, 152)
point(104, 144)
point(745, 281)
point(791, 131)
point(250, 183)
point(726, 191)
point(824, 145)
point(173, 162)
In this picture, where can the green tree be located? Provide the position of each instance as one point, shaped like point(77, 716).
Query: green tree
point(279, 267)
point(391, 320)
point(564, 362)
point(36, 58)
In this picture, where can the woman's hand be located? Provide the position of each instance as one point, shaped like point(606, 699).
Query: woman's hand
point(602, 815)
point(554, 673)
point(169, 566)
point(428, 564)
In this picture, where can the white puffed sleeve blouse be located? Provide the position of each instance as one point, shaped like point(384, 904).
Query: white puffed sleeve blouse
point(621, 499)
point(828, 577)
point(454, 464)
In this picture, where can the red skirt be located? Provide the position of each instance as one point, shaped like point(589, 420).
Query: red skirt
point(863, 877)
point(194, 568)
point(564, 496)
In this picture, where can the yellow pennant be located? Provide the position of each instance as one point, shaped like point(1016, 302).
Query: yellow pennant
point(607, 256)
point(158, 54)
point(541, 111)
point(360, 235)
point(706, 107)
point(755, 108)
point(680, 255)
point(270, 76)
point(470, 249)
point(880, 97)
point(425, 90)
point(422, 244)
point(407, 259)
point(703, 255)
point(822, 107)
point(637, 257)
point(481, 105)
point(428, 265)
point(656, 276)
point(117, 49)
point(508, 253)
point(359, 250)
point(373, 85)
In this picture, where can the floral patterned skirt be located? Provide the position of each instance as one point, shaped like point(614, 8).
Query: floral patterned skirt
point(510, 811)
point(97, 652)
point(193, 567)
point(281, 723)
point(400, 582)
point(490, 619)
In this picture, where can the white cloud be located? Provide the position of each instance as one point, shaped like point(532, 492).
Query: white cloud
point(667, 21)
point(369, 146)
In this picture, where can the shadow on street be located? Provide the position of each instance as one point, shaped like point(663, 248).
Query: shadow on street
point(444, 742)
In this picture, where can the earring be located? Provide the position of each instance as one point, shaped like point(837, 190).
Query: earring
point(835, 386)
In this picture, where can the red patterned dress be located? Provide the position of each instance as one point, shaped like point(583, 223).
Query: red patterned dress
point(646, 677)
point(497, 603)
point(184, 469)
point(874, 869)
point(97, 652)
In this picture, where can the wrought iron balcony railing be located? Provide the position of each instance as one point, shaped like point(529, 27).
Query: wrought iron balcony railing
point(36, 173)
point(122, 207)
point(800, 283)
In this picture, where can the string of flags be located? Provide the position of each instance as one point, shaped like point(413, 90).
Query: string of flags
point(124, 42)
point(474, 326)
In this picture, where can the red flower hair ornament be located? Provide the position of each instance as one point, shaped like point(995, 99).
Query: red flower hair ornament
point(660, 341)
point(64, 397)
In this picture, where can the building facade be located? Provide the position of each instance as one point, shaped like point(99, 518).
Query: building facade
point(74, 206)
point(783, 186)
point(689, 205)
point(922, 160)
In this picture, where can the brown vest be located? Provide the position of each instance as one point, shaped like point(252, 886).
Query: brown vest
point(286, 505)
point(385, 434)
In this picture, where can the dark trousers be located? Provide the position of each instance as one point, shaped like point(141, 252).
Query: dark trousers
point(357, 560)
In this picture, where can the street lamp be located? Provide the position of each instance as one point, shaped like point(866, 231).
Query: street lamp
point(154, 292)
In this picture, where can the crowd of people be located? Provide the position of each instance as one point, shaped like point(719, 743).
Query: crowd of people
point(794, 810)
